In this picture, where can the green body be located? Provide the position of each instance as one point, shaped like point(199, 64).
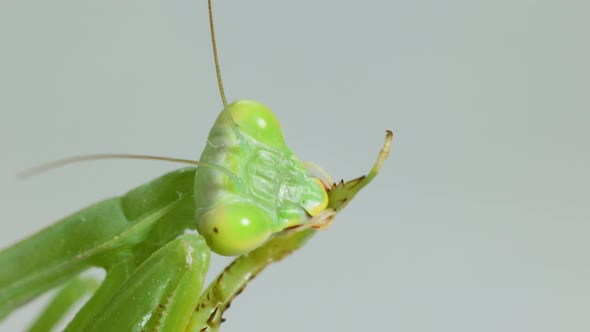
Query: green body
point(249, 196)
point(155, 270)
point(117, 234)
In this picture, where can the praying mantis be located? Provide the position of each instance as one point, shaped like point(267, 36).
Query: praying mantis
point(249, 196)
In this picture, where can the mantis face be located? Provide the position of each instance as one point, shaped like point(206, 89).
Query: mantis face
point(265, 190)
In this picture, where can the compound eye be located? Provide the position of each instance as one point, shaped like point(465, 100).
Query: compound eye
point(258, 121)
point(236, 228)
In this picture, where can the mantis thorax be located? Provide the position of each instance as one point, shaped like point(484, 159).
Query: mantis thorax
point(270, 191)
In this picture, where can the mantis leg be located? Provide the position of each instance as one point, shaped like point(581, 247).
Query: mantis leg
point(160, 295)
point(117, 234)
point(63, 301)
point(341, 193)
point(231, 282)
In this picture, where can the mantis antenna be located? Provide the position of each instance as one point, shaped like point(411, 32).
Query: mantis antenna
point(72, 160)
point(226, 111)
point(66, 161)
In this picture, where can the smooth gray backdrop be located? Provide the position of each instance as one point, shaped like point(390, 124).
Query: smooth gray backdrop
point(480, 219)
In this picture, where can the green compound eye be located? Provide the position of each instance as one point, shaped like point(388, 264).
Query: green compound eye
point(235, 228)
point(258, 121)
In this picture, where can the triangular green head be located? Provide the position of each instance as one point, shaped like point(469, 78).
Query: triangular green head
point(261, 188)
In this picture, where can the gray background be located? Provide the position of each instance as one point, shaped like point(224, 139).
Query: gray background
point(480, 219)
